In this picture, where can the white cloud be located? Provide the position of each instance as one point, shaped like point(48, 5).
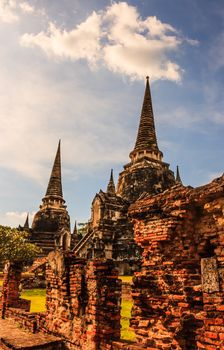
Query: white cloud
point(40, 112)
point(218, 117)
point(26, 7)
point(120, 39)
point(82, 42)
point(15, 218)
point(8, 11)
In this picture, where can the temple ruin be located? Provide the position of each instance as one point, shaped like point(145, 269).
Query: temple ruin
point(174, 233)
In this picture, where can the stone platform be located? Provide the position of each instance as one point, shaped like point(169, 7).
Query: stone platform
point(12, 337)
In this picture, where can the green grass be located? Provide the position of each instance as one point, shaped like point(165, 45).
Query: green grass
point(37, 297)
point(126, 333)
point(126, 278)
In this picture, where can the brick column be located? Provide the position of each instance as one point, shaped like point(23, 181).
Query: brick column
point(10, 288)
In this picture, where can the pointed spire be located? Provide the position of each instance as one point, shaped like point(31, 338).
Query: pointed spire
point(178, 179)
point(111, 186)
point(54, 186)
point(26, 225)
point(146, 138)
point(75, 231)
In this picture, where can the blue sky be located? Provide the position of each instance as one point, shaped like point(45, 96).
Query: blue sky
point(75, 71)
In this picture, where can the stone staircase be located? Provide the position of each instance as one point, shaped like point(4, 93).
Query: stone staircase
point(83, 242)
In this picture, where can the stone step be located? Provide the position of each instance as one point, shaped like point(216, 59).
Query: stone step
point(15, 344)
point(15, 338)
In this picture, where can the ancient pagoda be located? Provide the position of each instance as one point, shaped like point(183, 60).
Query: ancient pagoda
point(51, 224)
point(110, 232)
point(146, 172)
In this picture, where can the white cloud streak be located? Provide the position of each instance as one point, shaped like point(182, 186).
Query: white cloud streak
point(80, 43)
point(26, 7)
point(10, 10)
point(33, 119)
point(15, 218)
point(118, 38)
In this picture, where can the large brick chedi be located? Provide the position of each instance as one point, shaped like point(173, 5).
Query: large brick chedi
point(110, 228)
point(146, 172)
point(179, 292)
point(51, 224)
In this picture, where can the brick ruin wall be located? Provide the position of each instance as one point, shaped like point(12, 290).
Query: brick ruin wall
point(82, 303)
point(179, 292)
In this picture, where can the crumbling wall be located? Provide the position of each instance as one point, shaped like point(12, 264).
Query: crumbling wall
point(175, 305)
point(83, 301)
point(178, 293)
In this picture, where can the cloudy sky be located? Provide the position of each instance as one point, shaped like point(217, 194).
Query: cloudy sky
point(75, 70)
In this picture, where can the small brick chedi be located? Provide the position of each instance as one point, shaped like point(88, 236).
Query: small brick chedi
point(51, 224)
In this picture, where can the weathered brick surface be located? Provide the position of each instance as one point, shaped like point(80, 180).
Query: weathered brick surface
point(177, 229)
point(178, 293)
point(33, 321)
point(83, 301)
point(16, 338)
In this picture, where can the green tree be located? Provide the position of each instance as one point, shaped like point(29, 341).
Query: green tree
point(82, 228)
point(15, 246)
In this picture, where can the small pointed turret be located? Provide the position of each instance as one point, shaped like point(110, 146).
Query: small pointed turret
point(54, 195)
point(26, 225)
point(111, 186)
point(75, 231)
point(75, 237)
point(54, 186)
point(146, 142)
point(178, 178)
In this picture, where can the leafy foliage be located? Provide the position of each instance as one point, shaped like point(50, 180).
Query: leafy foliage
point(82, 229)
point(14, 246)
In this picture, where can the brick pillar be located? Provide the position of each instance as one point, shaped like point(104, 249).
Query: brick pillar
point(83, 301)
point(10, 288)
point(104, 290)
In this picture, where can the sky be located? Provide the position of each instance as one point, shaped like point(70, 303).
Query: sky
point(75, 70)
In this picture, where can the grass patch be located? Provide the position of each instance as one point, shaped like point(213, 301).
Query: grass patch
point(126, 333)
point(126, 278)
point(37, 297)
